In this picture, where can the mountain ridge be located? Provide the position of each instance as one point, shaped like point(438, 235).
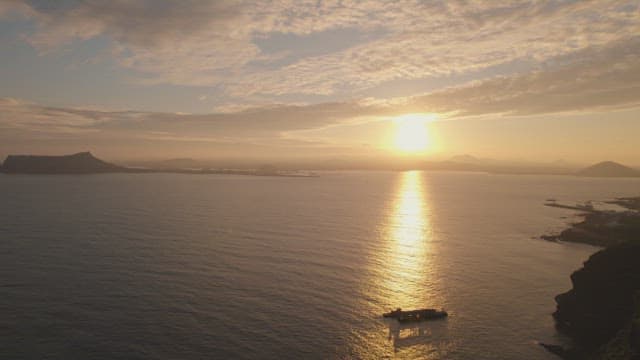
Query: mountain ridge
point(608, 169)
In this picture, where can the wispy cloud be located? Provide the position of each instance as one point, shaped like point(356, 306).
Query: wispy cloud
point(589, 80)
point(256, 123)
point(214, 43)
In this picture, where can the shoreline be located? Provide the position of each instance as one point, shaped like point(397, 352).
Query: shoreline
point(601, 312)
point(178, 171)
point(601, 228)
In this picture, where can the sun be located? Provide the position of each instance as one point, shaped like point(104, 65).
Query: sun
point(412, 135)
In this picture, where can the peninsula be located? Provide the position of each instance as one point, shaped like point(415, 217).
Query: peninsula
point(601, 312)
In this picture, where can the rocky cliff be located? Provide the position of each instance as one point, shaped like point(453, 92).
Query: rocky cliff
point(601, 312)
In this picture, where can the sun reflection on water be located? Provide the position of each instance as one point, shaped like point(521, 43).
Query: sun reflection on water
point(403, 274)
point(408, 242)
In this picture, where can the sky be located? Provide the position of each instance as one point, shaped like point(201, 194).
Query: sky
point(153, 79)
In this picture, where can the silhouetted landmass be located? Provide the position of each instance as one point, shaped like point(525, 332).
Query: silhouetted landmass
point(473, 164)
point(180, 163)
point(604, 229)
point(465, 162)
point(601, 312)
point(608, 169)
point(632, 203)
point(587, 207)
point(450, 165)
point(86, 163)
point(465, 159)
point(80, 163)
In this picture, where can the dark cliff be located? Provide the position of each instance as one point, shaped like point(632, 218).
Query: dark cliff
point(80, 163)
point(600, 308)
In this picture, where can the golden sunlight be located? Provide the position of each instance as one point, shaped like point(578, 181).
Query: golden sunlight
point(412, 135)
point(410, 235)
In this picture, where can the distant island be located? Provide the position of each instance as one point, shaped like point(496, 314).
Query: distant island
point(86, 163)
point(601, 313)
point(472, 164)
point(80, 163)
point(608, 169)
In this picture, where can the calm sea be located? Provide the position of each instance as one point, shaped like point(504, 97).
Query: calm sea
point(169, 266)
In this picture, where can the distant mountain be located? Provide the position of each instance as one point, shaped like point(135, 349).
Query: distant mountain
point(608, 169)
point(449, 165)
point(560, 163)
point(466, 159)
point(466, 163)
point(80, 163)
point(180, 163)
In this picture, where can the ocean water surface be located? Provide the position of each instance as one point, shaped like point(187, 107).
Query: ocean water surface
point(170, 266)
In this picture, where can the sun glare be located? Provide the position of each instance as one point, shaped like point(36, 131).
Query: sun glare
point(412, 135)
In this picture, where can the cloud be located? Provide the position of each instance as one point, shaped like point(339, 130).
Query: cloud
point(255, 132)
point(8, 7)
point(19, 114)
point(601, 75)
point(589, 80)
point(202, 43)
point(265, 123)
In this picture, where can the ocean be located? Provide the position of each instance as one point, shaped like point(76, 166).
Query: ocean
point(172, 266)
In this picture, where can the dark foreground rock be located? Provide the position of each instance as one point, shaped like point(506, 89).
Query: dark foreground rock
point(565, 353)
point(601, 311)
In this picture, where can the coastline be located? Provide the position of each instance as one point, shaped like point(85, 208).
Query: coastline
point(601, 227)
point(601, 311)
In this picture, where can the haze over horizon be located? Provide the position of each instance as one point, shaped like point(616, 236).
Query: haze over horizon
point(134, 80)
